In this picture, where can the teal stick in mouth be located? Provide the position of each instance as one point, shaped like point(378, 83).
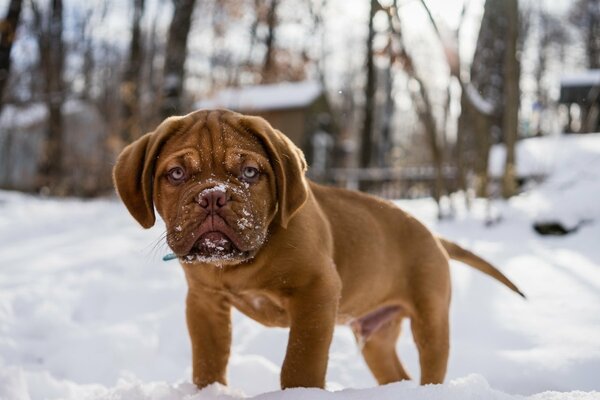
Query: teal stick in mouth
point(169, 257)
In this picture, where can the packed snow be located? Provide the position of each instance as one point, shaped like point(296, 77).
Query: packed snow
point(570, 165)
point(88, 310)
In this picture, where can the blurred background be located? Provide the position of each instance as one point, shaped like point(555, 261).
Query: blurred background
point(457, 104)
point(402, 98)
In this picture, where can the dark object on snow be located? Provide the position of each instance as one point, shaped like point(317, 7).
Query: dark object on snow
point(556, 228)
point(552, 228)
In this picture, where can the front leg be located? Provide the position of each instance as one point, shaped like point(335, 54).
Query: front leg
point(312, 310)
point(208, 317)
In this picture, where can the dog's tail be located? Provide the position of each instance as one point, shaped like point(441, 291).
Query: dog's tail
point(458, 253)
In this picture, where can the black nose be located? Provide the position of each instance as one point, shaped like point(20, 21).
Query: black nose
point(212, 199)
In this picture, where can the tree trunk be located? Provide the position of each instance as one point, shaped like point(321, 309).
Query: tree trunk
point(385, 142)
point(424, 110)
point(318, 31)
point(175, 57)
point(483, 141)
point(592, 45)
point(253, 33)
point(8, 29)
point(87, 69)
point(51, 48)
point(152, 79)
point(370, 87)
point(584, 15)
point(269, 73)
point(452, 52)
point(130, 85)
point(511, 98)
point(460, 153)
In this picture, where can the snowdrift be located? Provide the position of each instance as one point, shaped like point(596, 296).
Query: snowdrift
point(89, 311)
point(470, 387)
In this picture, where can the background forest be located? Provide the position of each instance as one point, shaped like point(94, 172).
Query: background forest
point(414, 90)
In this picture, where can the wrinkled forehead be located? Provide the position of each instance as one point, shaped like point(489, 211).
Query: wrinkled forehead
point(212, 139)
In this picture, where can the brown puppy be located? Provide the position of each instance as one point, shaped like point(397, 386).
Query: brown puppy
point(252, 232)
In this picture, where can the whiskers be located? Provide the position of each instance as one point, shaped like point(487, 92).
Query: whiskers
point(158, 247)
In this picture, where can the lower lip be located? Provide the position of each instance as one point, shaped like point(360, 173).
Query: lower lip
point(215, 237)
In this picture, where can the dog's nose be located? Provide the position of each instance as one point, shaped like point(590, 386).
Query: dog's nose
point(212, 199)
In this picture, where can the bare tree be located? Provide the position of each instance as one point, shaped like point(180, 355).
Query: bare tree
point(366, 151)
point(8, 29)
point(475, 111)
point(86, 47)
point(317, 13)
point(131, 127)
point(551, 34)
point(482, 115)
point(585, 15)
point(107, 68)
point(490, 99)
point(389, 106)
point(423, 106)
point(151, 83)
point(269, 74)
point(258, 4)
point(280, 63)
point(176, 54)
point(51, 48)
point(510, 121)
point(263, 60)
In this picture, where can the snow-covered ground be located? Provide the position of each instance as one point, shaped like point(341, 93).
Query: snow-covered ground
point(572, 165)
point(89, 311)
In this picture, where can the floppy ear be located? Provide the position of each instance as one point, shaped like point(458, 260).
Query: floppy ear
point(133, 173)
point(289, 166)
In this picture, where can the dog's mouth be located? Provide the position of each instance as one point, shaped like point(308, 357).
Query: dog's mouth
point(217, 244)
point(214, 241)
point(213, 245)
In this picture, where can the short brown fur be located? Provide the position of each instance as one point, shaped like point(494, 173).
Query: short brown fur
point(309, 256)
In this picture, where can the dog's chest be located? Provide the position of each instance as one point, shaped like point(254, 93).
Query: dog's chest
point(262, 307)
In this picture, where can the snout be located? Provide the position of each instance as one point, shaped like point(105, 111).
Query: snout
point(215, 226)
point(215, 233)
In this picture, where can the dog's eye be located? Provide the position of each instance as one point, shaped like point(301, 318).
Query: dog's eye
point(250, 174)
point(176, 175)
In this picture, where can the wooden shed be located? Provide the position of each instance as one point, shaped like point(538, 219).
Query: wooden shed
point(580, 92)
point(298, 109)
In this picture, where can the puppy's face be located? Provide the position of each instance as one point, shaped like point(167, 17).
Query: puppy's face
point(215, 189)
point(220, 180)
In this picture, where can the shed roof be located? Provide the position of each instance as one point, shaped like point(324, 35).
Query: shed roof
point(276, 96)
point(581, 88)
point(590, 77)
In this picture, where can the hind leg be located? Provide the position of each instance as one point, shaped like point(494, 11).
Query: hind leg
point(431, 335)
point(378, 348)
